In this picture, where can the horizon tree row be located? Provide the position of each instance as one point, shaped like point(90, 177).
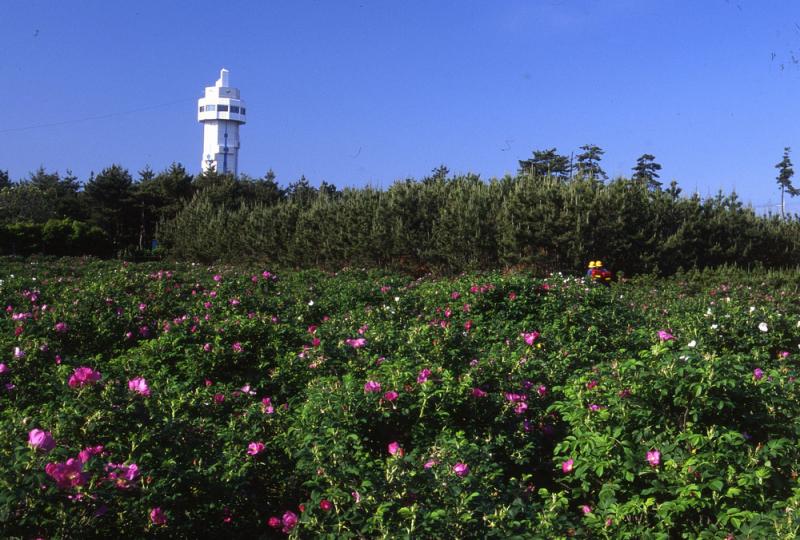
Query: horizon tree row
point(423, 223)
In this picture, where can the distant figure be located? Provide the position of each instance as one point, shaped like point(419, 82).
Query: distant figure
point(590, 272)
point(597, 273)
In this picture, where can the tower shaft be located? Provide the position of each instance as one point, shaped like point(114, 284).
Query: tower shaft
point(221, 111)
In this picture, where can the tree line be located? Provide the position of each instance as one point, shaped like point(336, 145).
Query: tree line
point(556, 213)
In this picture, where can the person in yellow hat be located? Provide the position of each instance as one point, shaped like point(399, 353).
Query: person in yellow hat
point(598, 274)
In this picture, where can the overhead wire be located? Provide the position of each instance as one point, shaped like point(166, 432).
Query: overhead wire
point(96, 117)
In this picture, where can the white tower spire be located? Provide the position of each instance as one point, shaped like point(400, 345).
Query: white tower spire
point(221, 112)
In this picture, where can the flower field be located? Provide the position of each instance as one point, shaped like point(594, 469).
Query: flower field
point(186, 401)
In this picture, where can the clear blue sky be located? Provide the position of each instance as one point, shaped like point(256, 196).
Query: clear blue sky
point(364, 91)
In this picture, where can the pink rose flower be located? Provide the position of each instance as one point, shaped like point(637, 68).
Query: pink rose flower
point(325, 505)
point(139, 385)
point(461, 469)
point(255, 448)
point(395, 449)
point(41, 440)
point(663, 335)
point(68, 474)
point(391, 395)
point(478, 393)
point(654, 458)
point(83, 376)
point(289, 521)
point(567, 466)
point(274, 522)
point(372, 386)
point(356, 343)
point(157, 516)
point(423, 375)
point(530, 337)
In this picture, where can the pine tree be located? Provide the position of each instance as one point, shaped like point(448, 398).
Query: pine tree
point(645, 171)
point(785, 178)
point(546, 163)
point(588, 162)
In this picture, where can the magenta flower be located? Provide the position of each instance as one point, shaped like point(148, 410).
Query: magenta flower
point(255, 448)
point(325, 505)
point(530, 337)
point(586, 509)
point(217, 277)
point(289, 521)
point(758, 374)
point(372, 386)
point(61, 327)
point(542, 390)
point(478, 393)
point(356, 343)
point(395, 449)
point(663, 335)
point(3, 369)
point(19, 353)
point(122, 475)
point(423, 375)
point(461, 469)
point(85, 454)
point(266, 406)
point(68, 474)
point(207, 347)
point(653, 458)
point(219, 398)
point(157, 516)
point(567, 466)
point(41, 440)
point(237, 347)
point(391, 395)
point(83, 376)
point(430, 463)
point(274, 522)
point(139, 385)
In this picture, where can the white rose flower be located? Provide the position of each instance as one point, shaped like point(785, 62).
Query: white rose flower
point(692, 344)
point(763, 326)
point(714, 326)
point(752, 309)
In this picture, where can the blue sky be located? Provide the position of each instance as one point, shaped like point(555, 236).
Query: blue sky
point(369, 92)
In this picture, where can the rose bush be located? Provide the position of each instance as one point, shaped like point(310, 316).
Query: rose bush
point(138, 400)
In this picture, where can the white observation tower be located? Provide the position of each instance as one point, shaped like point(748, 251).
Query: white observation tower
point(221, 112)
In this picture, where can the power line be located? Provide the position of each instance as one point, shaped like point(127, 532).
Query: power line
point(98, 117)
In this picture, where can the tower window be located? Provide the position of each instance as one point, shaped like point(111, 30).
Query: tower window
point(242, 110)
point(222, 108)
point(211, 108)
point(234, 109)
point(202, 108)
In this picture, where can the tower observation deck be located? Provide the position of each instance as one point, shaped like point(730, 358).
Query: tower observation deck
point(221, 112)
